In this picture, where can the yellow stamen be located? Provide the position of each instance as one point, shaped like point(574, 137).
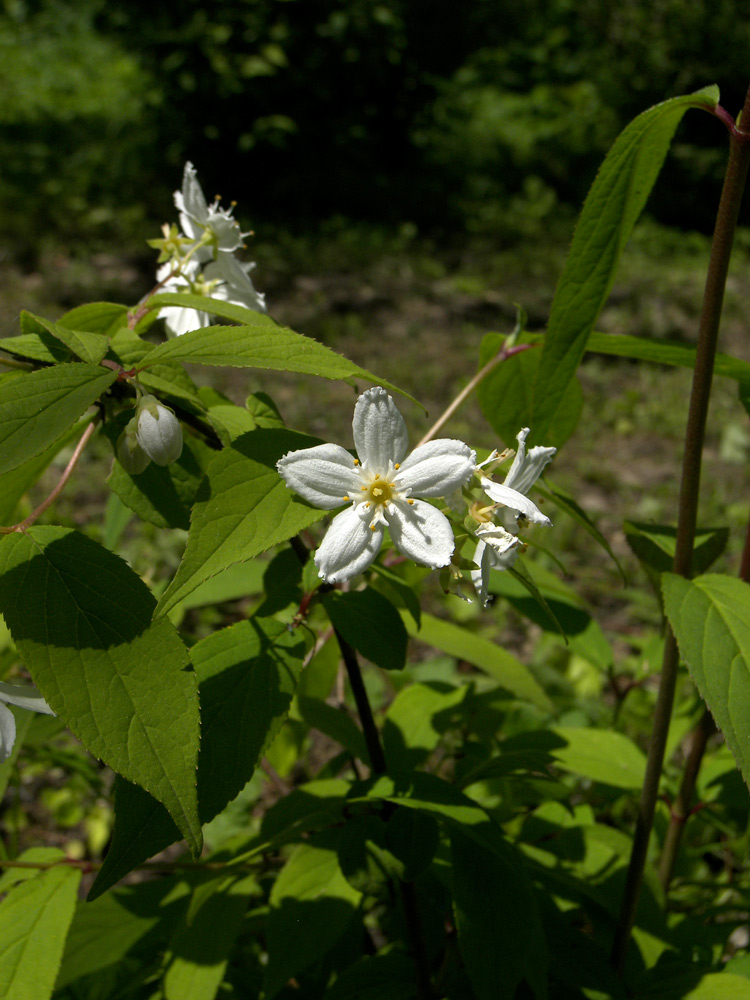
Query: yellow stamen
point(410, 501)
point(372, 526)
point(397, 465)
point(356, 461)
point(346, 498)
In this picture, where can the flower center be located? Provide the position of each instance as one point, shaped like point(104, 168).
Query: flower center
point(379, 491)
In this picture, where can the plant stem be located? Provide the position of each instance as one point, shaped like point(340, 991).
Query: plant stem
point(377, 761)
point(27, 522)
point(721, 248)
point(483, 372)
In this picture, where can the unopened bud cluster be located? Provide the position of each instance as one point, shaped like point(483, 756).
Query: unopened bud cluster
point(152, 435)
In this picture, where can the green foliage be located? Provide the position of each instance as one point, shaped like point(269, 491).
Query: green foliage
point(452, 818)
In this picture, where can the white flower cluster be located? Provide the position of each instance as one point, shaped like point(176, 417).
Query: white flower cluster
point(154, 434)
point(23, 697)
point(382, 485)
point(202, 261)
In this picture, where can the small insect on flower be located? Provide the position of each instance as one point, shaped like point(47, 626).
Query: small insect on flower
point(380, 488)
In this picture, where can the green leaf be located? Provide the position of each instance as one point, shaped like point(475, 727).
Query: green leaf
point(506, 397)
point(36, 347)
point(200, 947)
point(82, 622)
point(37, 409)
point(226, 416)
point(509, 672)
point(89, 347)
point(243, 508)
point(654, 544)
point(261, 344)
point(601, 755)
point(214, 307)
point(709, 617)
point(105, 931)
point(416, 720)
point(247, 674)
point(499, 931)
point(34, 921)
point(610, 211)
point(370, 623)
point(312, 904)
point(170, 382)
point(96, 317)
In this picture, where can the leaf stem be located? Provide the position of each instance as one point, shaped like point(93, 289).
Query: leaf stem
point(442, 420)
point(718, 267)
point(84, 440)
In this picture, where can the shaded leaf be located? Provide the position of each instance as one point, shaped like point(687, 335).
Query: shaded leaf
point(247, 674)
point(370, 623)
point(81, 620)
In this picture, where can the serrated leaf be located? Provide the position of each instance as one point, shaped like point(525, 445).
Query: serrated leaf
point(262, 344)
point(709, 617)
point(89, 347)
point(506, 397)
point(370, 623)
point(312, 904)
point(247, 674)
point(497, 939)
point(34, 921)
point(82, 622)
point(415, 722)
point(168, 381)
point(243, 508)
point(610, 211)
point(509, 672)
point(96, 317)
point(36, 347)
point(37, 409)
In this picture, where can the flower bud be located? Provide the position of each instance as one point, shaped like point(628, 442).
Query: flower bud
point(158, 431)
point(132, 457)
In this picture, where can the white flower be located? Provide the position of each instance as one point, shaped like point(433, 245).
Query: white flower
point(498, 545)
point(379, 487)
point(224, 278)
point(23, 697)
point(158, 431)
point(197, 217)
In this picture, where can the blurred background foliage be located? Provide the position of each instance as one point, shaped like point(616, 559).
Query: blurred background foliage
point(487, 116)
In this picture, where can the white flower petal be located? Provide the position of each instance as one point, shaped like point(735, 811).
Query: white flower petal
point(324, 475)
point(437, 468)
point(350, 545)
point(480, 577)
point(7, 732)
point(25, 696)
point(237, 287)
point(179, 321)
point(421, 532)
point(515, 500)
point(497, 538)
point(528, 466)
point(190, 200)
point(380, 434)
